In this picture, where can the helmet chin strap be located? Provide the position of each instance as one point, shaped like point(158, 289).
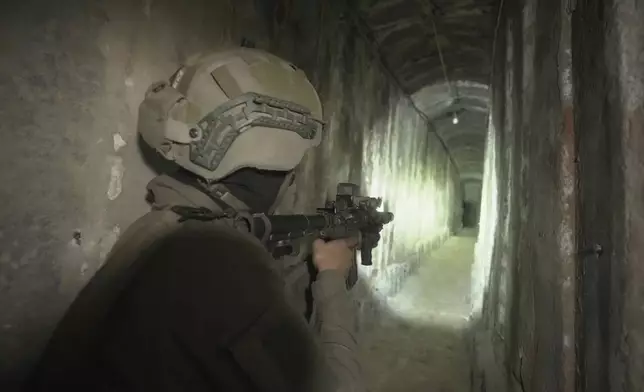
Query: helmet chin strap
point(221, 194)
point(288, 181)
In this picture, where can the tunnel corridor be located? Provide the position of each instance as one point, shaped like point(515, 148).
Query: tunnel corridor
point(505, 136)
point(422, 344)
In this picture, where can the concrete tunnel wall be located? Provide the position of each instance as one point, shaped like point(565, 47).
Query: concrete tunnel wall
point(563, 302)
point(530, 292)
point(71, 78)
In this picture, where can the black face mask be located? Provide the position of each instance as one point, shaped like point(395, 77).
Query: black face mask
point(258, 189)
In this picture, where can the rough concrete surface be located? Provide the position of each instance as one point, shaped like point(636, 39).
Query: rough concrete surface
point(408, 32)
point(609, 62)
point(74, 171)
point(421, 343)
point(530, 302)
point(564, 305)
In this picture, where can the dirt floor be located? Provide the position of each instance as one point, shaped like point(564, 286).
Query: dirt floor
point(421, 345)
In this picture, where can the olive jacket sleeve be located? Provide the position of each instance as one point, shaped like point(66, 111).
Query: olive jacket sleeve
point(336, 322)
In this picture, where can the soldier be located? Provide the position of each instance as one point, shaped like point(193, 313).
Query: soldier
point(186, 303)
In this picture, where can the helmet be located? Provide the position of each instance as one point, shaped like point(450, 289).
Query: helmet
point(231, 110)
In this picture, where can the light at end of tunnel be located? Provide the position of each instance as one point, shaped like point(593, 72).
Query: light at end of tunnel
point(455, 119)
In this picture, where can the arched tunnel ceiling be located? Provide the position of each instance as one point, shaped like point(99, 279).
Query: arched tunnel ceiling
point(403, 31)
point(466, 139)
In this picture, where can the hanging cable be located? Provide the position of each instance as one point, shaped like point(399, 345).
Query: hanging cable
point(366, 34)
point(494, 38)
point(440, 55)
point(424, 5)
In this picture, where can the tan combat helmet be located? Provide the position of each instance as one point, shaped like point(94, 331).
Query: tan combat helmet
point(230, 110)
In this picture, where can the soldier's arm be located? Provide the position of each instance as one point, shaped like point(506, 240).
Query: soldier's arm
point(336, 323)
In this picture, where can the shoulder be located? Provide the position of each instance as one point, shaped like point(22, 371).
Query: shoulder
point(157, 226)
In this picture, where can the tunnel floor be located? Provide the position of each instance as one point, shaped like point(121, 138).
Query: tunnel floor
point(421, 344)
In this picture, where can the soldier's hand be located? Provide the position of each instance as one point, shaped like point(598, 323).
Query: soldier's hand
point(334, 255)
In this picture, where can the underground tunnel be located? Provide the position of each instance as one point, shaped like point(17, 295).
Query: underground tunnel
point(504, 136)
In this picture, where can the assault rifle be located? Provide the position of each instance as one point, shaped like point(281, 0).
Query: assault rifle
point(349, 215)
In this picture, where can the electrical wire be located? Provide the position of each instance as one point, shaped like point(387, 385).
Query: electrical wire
point(494, 38)
point(496, 34)
point(430, 14)
point(440, 55)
